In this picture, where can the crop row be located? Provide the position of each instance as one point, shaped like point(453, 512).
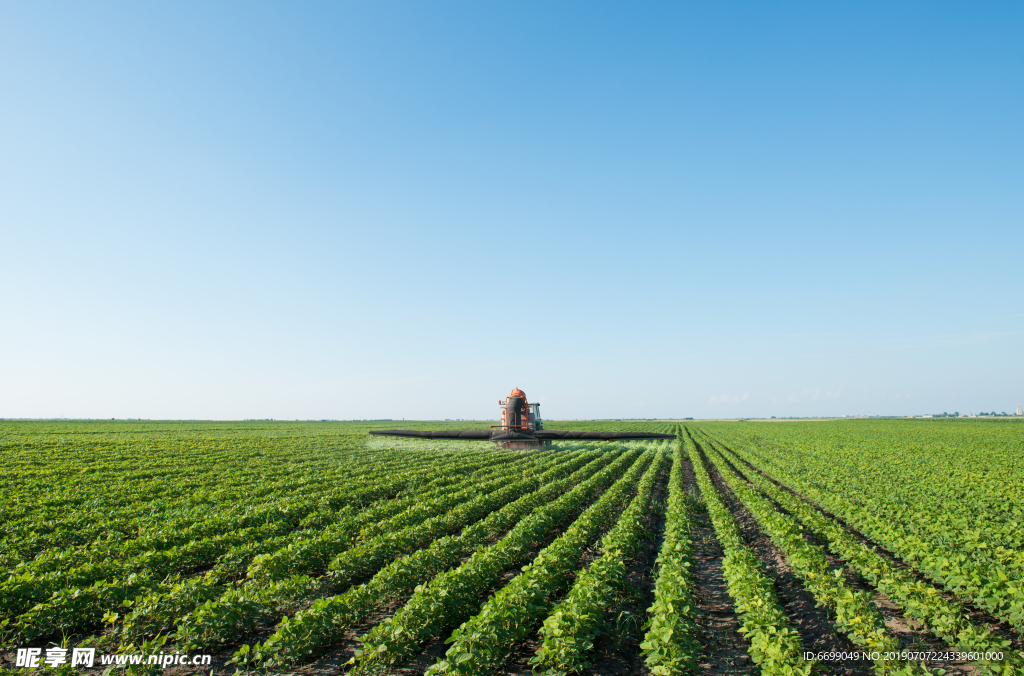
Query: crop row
point(240, 609)
point(265, 562)
point(485, 640)
point(57, 531)
point(318, 627)
point(78, 607)
point(570, 629)
point(774, 644)
point(855, 615)
point(455, 595)
point(670, 644)
point(965, 511)
point(974, 527)
point(970, 574)
point(351, 491)
point(919, 600)
point(268, 562)
point(159, 523)
point(314, 553)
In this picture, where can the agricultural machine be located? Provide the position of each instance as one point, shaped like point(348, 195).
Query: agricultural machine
point(521, 427)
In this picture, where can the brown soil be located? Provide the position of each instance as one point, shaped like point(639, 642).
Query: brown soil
point(909, 633)
point(617, 654)
point(725, 649)
point(812, 623)
point(432, 650)
point(977, 615)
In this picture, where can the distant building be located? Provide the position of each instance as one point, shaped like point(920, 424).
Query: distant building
point(1020, 410)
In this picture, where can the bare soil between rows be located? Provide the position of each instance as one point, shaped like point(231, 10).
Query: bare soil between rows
point(911, 635)
point(724, 648)
point(977, 615)
point(814, 626)
point(617, 653)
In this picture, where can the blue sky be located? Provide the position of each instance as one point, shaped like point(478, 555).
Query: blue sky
point(387, 210)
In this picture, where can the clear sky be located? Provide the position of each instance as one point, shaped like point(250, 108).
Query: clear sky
point(388, 210)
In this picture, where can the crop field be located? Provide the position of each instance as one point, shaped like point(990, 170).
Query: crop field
point(796, 547)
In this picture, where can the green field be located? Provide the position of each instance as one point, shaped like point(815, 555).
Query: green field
point(309, 547)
